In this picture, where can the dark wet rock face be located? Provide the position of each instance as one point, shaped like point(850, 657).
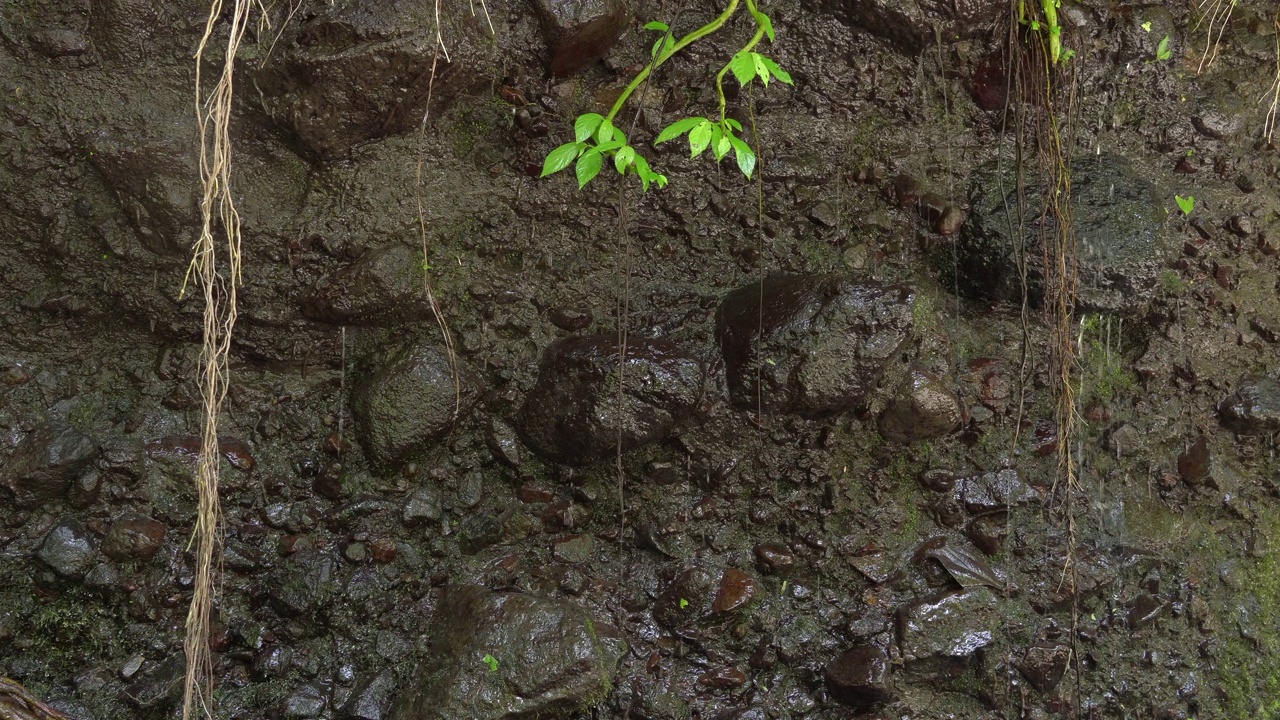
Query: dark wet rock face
point(925, 408)
point(304, 584)
point(939, 632)
point(580, 32)
point(1044, 665)
point(861, 676)
point(1254, 408)
point(385, 286)
point(816, 347)
point(409, 402)
point(350, 73)
point(908, 25)
point(68, 549)
point(573, 414)
point(1118, 223)
point(548, 659)
point(44, 464)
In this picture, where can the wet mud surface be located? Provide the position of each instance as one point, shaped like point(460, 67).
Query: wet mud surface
point(653, 492)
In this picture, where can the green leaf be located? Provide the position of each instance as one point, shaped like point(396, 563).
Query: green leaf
point(610, 146)
point(586, 125)
point(719, 143)
point(491, 661)
point(660, 179)
point(643, 172)
point(733, 124)
point(763, 21)
point(700, 137)
point(623, 158)
point(588, 167)
point(782, 75)
point(1146, 26)
point(657, 25)
point(678, 128)
point(1162, 50)
point(757, 61)
point(604, 133)
point(561, 158)
point(743, 68)
point(1185, 204)
point(745, 156)
point(1068, 54)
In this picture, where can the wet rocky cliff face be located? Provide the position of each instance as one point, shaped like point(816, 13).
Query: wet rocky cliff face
point(721, 450)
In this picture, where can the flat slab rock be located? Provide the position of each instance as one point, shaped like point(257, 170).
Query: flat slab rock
point(507, 655)
point(815, 346)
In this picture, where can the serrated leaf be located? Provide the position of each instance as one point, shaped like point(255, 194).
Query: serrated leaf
point(604, 133)
point(763, 21)
point(745, 156)
point(782, 75)
point(586, 125)
point(757, 61)
point(699, 137)
point(743, 68)
point(733, 124)
point(560, 158)
point(623, 158)
point(657, 25)
point(588, 167)
point(678, 128)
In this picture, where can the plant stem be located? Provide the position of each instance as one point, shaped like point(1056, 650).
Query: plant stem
point(684, 42)
point(1055, 30)
point(755, 40)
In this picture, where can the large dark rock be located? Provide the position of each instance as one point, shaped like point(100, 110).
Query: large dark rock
point(45, 462)
point(409, 402)
point(860, 676)
point(573, 414)
point(68, 549)
point(352, 72)
point(924, 408)
point(909, 26)
point(371, 699)
point(941, 632)
point(580, 32)
point(1254, 408)
point(133, 536)
point(1044, 664)
point(384, 287)
point(505, 655)
point(1117, 218)
point(818, 345)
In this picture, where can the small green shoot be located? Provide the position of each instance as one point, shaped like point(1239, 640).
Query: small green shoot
point(1146, 26)
point(683, 603)
point(1185, 204)
point(1162, 50)
point(492, 662)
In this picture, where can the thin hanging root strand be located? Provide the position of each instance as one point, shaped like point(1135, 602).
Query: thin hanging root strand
point(1269, 127)
point(217, 208)
point(1219, 15)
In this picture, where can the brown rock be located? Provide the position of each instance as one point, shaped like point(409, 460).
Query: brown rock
point(737, 589)
point(1193, 463)
point(860, 676)
point(133, 536)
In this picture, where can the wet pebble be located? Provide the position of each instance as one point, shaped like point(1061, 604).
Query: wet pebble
point(572, 549)
point(307, 701)
point(1254, 408)
point(924, 408)
point(724, 678)
point(737, 589)
point(423, 505)
point(774, 558)
point(860, 676)
point(1193, 463)
point(44, 464)
point(1044, 665)
point(133, 536)
point(68, 549)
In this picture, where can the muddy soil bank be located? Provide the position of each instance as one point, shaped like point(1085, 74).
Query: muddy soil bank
point(824, 484)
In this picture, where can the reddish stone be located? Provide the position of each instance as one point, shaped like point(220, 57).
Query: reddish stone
point(737, 589)
point(383, 550)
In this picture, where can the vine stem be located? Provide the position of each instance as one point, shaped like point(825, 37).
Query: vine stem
point(667, 54)
point(755, 40)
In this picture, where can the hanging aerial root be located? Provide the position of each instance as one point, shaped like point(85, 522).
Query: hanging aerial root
point(215, 265)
